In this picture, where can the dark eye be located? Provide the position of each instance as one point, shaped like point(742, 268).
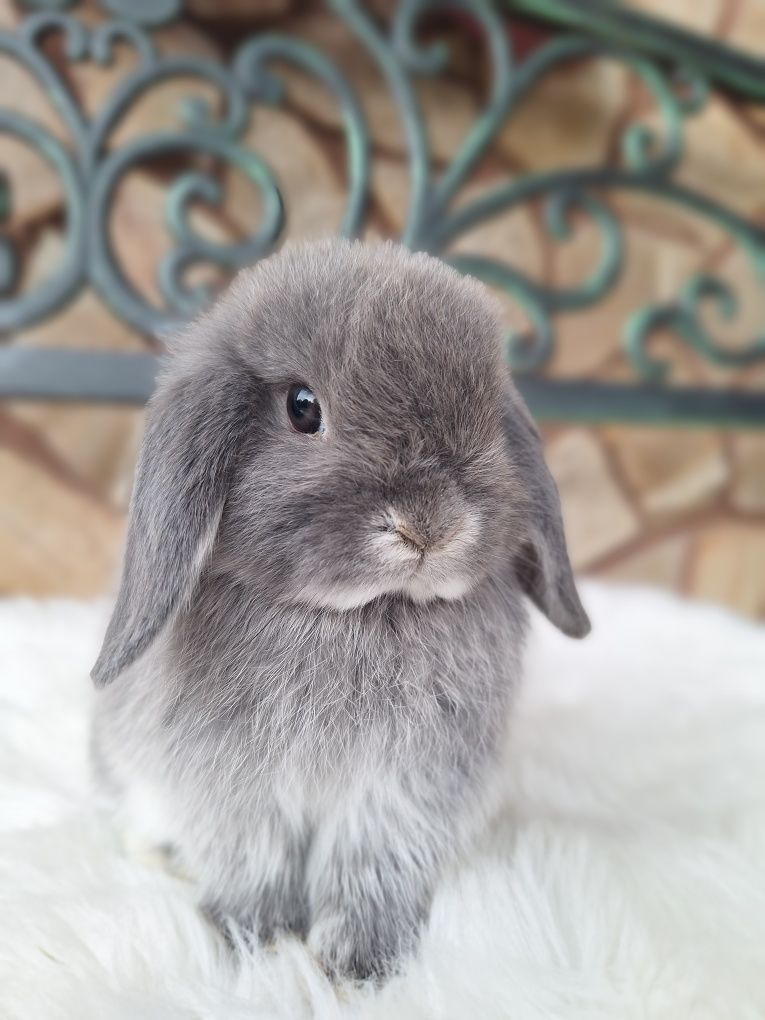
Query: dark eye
point(303, 408)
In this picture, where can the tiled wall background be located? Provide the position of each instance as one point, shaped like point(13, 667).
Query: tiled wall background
point(682, 508)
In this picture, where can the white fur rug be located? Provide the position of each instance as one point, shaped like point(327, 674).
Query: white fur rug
point(625, 877)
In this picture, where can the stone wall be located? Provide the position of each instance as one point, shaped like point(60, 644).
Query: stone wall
point(680, 508)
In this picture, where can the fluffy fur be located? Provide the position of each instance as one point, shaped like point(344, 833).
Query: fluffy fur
point(317, 636)
point(623, 877)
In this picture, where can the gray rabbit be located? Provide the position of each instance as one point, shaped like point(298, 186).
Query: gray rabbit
point(340, 504)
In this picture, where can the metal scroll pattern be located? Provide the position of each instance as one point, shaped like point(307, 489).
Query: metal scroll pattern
point(90, 170)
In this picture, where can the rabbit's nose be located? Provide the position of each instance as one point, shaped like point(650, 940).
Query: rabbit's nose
point(409, 534)
point(428, 536)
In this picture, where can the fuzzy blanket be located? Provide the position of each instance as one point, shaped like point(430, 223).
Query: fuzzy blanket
point(624, 877)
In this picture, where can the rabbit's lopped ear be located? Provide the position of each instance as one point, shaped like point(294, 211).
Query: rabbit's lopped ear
point(542, 563)
point(195, 422)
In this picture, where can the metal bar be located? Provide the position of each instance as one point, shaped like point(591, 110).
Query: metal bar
point(593, 403)
point(94, 376)
point(114, 377)
point(728, 67)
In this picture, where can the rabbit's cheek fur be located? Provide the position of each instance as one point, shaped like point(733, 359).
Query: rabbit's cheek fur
point(340, 538)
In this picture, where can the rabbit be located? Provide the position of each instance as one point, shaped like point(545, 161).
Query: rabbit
point(340, 508)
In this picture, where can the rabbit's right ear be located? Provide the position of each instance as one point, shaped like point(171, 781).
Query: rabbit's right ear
point(542, 565)
point(195, 422)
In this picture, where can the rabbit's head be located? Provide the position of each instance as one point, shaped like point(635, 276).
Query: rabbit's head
point(339, 428)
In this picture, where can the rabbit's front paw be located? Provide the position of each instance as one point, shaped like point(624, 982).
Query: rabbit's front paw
point(268, 914)
point(348, 948)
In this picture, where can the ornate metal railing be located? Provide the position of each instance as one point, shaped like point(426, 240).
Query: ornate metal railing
point(677, 68)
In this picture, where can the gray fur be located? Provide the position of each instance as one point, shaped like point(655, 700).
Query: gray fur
point(317, 702)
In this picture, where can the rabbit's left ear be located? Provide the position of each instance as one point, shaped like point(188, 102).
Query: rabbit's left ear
point(542, 564)
point(195, 423)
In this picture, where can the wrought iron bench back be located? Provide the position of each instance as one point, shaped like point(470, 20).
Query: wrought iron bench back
point(677, 68)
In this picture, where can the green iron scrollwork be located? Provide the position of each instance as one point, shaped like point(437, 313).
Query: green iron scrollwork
point(648, 163)
point(140, 12)
point(91, 174)
point(259, 82)
point(649, 159)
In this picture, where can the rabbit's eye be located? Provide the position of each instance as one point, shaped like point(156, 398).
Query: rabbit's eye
point(303, 408)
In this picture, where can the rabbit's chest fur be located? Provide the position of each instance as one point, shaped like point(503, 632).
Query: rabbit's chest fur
point(274, 696)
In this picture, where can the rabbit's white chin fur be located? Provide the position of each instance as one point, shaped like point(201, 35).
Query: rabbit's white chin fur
point(424, 590)
point(418, 590)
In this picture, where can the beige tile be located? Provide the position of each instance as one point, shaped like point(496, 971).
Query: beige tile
point(509, 237)
point(729, 566)
point(314, 198)
point(54, 539)
point(568, 117)
point(234, 10)
point(755, 113)
point(669, 220)
point(747, 325)
point(99, 444)
point(656, 563)
point(654, 271)
point(597, 515)
point(748, 489)
point(723, 158)
point(748, 27)
point(698, 15)
point(672, 472)
point(391, 188)
point(85, 322)
point(10, 14)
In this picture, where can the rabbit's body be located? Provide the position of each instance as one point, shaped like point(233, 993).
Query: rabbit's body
point(300, 743)
point(320, 626)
